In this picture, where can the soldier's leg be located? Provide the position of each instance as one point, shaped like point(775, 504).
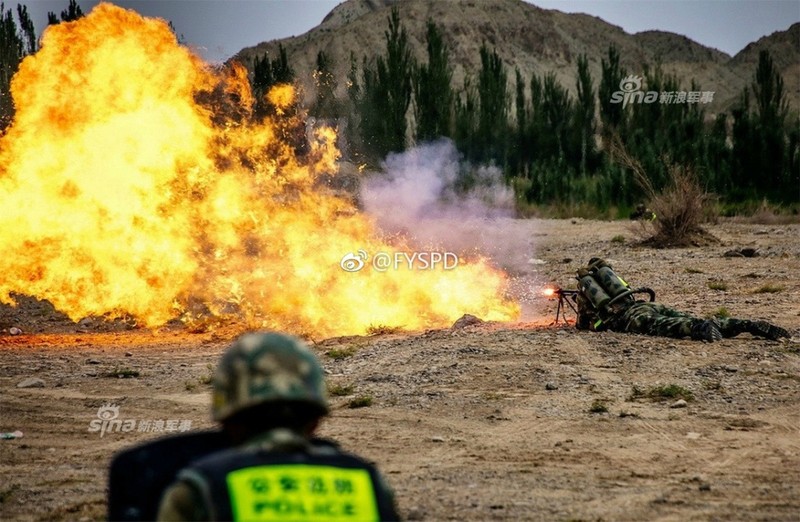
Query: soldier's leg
point(731, 327)
point(674, 323)
point(666, 311)
point(657, 319)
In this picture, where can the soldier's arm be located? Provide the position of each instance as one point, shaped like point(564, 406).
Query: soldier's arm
point(182, 502)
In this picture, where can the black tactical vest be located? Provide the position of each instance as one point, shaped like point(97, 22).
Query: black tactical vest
point(264, 485)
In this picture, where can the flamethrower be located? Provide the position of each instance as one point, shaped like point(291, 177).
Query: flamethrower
point(564, 296)
point(570, 297)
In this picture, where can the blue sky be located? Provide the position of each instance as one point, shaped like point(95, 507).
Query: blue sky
point(220, 28)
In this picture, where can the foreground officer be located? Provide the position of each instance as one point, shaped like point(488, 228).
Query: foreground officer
point(269, 395)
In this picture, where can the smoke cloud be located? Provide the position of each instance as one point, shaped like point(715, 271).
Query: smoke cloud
point(436, 200)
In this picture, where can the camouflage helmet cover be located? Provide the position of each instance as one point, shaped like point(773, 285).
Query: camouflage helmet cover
point(597, 262)
point(266, 367)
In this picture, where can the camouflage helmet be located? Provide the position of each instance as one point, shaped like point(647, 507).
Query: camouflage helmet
point(597, 263)
point(260, 368)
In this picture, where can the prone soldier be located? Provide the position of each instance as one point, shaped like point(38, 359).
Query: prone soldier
point(606, 302)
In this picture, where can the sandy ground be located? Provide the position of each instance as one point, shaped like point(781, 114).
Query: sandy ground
point(488, 422)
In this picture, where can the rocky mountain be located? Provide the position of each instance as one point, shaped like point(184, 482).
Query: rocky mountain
point(533, 40)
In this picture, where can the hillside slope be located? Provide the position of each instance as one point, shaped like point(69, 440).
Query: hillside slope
point(531, 39)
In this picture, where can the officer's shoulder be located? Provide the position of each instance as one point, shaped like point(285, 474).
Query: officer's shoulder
point(331, 448)
point(227, 456)
point(322, 442)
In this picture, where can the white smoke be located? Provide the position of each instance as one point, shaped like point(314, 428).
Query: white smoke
point(437, 201)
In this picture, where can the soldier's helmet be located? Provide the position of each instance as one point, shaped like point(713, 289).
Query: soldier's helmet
point(260, 368)
point(597, 262)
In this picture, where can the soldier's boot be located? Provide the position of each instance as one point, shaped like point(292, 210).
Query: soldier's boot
point(732, 327)
point(765, 329)
point(706, 331)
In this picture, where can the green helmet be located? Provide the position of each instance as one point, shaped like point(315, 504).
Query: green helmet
point(260, 368)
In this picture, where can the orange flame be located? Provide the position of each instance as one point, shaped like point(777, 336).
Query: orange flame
point(125, 193)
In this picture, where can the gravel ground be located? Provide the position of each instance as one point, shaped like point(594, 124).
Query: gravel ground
point(524, 421)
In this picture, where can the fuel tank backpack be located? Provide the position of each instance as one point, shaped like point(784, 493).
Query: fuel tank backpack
point(602, 294)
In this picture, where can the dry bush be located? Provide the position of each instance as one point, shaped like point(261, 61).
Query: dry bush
point(681, 206)
point(768, 214)
point(681, 209)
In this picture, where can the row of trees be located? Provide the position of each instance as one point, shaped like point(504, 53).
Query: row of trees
point(553, 146)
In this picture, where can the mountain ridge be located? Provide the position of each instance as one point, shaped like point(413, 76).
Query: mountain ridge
point(532, 39)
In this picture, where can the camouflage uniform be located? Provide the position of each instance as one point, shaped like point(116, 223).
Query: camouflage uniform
point(279, 473)
point(657, 319)
point(642, 213)
point(630, 315)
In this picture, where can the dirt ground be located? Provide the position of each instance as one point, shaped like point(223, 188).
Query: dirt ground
point(488, 422)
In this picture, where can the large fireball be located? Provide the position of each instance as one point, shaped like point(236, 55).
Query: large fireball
point(126, 190)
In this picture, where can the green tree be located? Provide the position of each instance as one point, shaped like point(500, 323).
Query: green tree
point(557, 106)
point(611, 114)
point(281, 71)
point(537, 126)
point(584, 115)
point(519, 154)
point(383, 94)
point(492, 108)
point(433, 92)
point(28, 32)
point(12, 50)
point(266, 74)
point(394, 79)
point(718, 156)
point(466, 109)
point(744, 157)
point(771, 113)
point(793, 159)
point(764, 149)
point(355, 96)
point(70, 14)
point(262, 75)
point(326, 105)
point(654, 129)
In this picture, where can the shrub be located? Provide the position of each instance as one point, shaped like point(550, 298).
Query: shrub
point(721, 313)
point(362, 401)
point(382, 329)
point(340, 390)
point(123, 373)
point(717, 285)
point(342, 353)
point(768, 289)
point(661, 393)
point(681, 206)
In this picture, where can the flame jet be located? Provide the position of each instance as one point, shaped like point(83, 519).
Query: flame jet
point(127, 190)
